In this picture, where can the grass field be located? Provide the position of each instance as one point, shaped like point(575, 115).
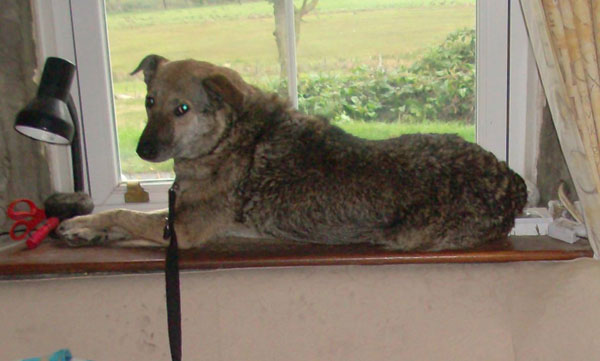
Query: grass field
point(255, 9)
point(337, 36)
point(133, 110)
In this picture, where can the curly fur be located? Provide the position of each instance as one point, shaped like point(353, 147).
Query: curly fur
point(310, 181)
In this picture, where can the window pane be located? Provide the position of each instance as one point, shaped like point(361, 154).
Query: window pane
point(381, 68)
point(237, 34)
point(377, 68)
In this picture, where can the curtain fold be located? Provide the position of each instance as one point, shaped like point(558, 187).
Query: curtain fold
point(565, 37)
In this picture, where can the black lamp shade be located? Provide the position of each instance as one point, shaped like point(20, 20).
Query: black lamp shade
point(48, 117)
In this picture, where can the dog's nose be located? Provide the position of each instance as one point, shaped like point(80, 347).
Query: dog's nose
point(147, 150)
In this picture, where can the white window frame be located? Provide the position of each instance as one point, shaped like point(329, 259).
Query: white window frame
point(507, 93)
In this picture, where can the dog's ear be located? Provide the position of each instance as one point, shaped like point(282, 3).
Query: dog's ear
point(149, 65)
point(220, 87)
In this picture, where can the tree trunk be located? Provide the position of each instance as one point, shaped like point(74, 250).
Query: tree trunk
point(280, 40)
point(281, 34)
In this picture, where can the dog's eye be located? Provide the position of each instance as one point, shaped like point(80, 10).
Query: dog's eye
point(181, 109)
point(149, 102)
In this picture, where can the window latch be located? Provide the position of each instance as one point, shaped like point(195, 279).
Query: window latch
point(136, 194)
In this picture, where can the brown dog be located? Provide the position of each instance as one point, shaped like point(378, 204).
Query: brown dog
point(248, 164)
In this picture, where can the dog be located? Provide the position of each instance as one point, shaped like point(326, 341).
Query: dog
point(248, 164)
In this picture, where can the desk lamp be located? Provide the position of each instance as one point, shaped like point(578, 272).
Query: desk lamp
point(51, 116)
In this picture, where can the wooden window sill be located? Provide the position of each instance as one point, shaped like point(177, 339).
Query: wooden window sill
point(52, 259)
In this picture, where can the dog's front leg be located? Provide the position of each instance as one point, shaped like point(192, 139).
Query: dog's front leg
point(114, 226)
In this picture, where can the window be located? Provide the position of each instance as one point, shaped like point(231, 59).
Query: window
point(74, 29)
point(349, 61)
point(81, 34)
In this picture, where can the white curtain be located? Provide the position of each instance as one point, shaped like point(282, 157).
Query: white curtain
point(565, 36)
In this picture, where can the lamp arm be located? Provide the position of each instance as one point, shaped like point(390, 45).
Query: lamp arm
point(76, 156)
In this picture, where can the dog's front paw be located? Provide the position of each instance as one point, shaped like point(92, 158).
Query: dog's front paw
point(84, 231)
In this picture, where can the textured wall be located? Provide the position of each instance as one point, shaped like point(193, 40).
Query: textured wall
point(551, 165)
point(23, 169)
point(546, 311)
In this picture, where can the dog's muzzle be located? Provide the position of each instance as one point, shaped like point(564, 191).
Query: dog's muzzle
point(147, 150)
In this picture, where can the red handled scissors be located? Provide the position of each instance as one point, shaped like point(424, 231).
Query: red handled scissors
point(30, 219)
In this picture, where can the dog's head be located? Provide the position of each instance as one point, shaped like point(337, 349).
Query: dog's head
point(189, 104)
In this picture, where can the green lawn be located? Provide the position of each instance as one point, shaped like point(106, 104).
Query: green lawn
point(257, 9)
point(133, 164)
point(375, 130)
point(340, 35)
point(247, 44)
point(132, 110)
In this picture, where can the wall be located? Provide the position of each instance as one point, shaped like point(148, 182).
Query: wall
point(492, 312)
point(23, 168)
point(551, 166)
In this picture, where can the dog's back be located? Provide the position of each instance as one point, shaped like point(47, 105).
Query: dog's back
point(310, 181)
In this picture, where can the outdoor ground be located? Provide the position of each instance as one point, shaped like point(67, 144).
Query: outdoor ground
point(337, 36)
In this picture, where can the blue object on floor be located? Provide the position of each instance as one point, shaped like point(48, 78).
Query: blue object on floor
point(60, 355)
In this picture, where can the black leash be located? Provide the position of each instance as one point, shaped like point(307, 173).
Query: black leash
point(172, 280)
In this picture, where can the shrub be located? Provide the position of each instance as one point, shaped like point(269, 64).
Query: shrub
point(448, 73)
point(439, 86)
